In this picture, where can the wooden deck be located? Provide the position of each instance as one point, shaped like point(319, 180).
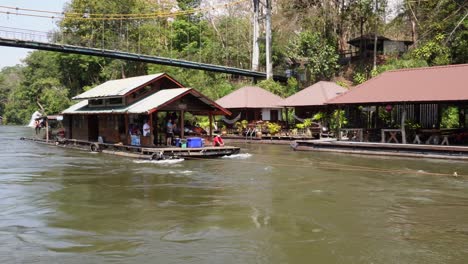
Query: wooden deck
point(384, 149)
point(142, 152)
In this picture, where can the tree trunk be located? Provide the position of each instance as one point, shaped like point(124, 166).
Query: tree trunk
point(414, 32)
point(269, 63)
point(256, 33)
point(375, 37)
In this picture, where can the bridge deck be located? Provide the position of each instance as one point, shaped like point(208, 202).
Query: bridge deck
point(134, 57)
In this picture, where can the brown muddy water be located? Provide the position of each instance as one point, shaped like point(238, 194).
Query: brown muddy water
point(266, 205)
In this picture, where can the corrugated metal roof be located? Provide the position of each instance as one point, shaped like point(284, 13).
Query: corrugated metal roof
point(429, 84)
point(143, 106)
point(316, 94)
point(250, 97)
point(155, 100)
point(117, 87)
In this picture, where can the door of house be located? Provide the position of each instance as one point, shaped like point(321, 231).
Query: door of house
point(93, 128)
point(274, 115)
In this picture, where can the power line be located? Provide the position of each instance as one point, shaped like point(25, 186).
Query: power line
point(110, 16)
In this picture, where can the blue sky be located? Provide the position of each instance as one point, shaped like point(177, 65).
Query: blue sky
point(13, 56)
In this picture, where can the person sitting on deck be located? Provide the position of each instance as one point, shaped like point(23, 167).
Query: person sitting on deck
point(169, 132)
point(218, 141)
point(133, 130)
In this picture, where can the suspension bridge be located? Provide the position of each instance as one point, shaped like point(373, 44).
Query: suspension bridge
point(103, 45)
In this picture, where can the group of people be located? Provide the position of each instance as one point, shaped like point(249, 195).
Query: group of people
point(171, 126)
point(134, 130)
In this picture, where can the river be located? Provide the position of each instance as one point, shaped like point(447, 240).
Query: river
point(266, 205)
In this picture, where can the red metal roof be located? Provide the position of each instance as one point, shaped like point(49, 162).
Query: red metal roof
point(250, 97)
point(428, 84)
point(317, 94)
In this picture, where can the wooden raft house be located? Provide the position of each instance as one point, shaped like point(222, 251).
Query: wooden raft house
point(414, 103)
point(111, 116)
point(253, 103)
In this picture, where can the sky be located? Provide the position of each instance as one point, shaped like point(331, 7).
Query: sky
point(12, 56)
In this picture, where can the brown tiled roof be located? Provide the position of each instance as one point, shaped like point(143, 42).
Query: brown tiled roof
point(429, 84)
point(250, 97)
point(316, 94)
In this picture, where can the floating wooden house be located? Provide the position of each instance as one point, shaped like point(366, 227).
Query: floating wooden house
point(423, 93)
point(253, 103)
point(115, 111)
point(312, 99)
point(414, 101)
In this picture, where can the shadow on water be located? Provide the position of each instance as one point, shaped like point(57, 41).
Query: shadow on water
point(267, 205)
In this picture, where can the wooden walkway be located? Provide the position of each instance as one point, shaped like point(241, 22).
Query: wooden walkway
point(142, 152)
point(384, 149)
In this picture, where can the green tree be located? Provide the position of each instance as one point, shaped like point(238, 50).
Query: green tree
point(320, 56)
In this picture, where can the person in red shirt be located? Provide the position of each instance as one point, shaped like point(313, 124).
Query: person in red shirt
point(218, 141)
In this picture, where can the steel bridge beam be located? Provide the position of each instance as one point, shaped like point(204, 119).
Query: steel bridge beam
point(134, 57)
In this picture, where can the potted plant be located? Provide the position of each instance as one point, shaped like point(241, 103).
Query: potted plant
point(223, 130)
point(273, 128)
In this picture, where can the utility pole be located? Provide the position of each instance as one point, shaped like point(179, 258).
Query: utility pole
point(375, 34)
point(256, 33)
point(269, 64)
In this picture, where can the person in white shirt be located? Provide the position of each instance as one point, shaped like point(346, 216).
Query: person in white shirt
point(146, 129)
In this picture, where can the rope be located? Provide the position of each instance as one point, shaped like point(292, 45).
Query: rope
point(298, 118)
point(232, 121)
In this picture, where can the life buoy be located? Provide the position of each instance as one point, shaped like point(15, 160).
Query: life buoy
point(95, 147)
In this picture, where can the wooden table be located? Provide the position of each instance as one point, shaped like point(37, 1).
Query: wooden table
point(434, 137)
point(393, 135)
point(357, 131)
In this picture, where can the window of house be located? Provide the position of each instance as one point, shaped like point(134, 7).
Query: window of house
point(96, 102)
point(274, 115)
point(142, 91)
point(78, 121)
point(115, 101)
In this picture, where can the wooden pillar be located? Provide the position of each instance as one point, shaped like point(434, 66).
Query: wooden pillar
point(417, 113)
point(377, 117)
point(403, 119)
point(127, 134)
point(47, 129)
point(156, 129)
point(70, 127)
point(210, 117)
point(181, 123)
point(461, 116)
point(439, 115)
point(150, 123)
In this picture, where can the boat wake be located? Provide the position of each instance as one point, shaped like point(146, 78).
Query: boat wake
point(161, 162)
point(238, 156)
